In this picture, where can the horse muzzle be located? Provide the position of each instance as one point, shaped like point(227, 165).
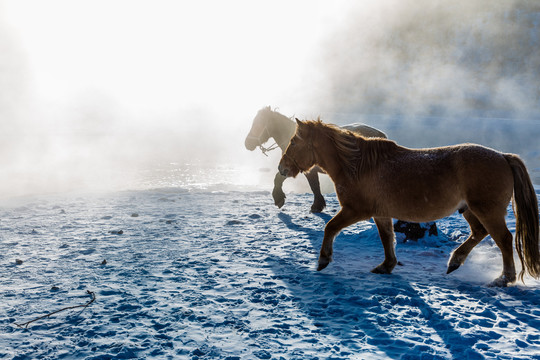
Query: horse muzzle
point(283, 170)
point(287, 168)
point(250, 144)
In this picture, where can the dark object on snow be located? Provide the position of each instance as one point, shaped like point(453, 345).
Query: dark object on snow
point(18, 261)
point(104, 262)
point(234, 222)
point(116, 232)
point(415, 231)
point(84, 306)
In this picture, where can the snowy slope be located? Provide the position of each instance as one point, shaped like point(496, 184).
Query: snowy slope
point(226, 275)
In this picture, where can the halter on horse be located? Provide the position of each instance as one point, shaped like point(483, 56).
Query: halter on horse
point(264, 150)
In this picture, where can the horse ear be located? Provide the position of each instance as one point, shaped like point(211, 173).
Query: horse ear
point(300, 123)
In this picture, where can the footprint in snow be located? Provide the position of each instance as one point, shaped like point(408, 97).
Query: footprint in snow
point(234, 222)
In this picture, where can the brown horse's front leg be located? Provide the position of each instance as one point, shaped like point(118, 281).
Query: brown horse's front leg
point(386, 232)
point(277, 193)
point(313, 179)
point(342, 219)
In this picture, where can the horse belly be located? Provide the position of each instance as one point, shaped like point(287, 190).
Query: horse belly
point(421, 197)
point(425, 208)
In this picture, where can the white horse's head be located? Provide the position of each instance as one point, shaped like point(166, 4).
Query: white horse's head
point(259, 134)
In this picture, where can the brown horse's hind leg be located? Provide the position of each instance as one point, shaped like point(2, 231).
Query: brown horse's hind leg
point(478, 232)
point(386, 232)
point(313, 179)
point(342, 219)
point(503, 238)
point(277, 193)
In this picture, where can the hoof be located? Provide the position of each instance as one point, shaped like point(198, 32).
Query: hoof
point(316, 209)
point(381, 270)
point(385, 267)
point(501, 281)
point(452, 267)
point(318, 206)
point(279, 199)
point(323, 263)
point(498, 283)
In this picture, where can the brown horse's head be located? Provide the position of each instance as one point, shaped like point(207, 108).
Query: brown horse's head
point(299, 156)
point(259, 134)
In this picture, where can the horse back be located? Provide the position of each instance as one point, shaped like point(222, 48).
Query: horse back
point(438, 181)
point(471, 167)
point(364, 130)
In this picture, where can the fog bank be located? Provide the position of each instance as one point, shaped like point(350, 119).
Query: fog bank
point(479, 58)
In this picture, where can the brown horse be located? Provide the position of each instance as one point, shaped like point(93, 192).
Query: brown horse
point(376, 178)
point(271, 124)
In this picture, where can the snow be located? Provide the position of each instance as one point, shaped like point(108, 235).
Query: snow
point(221, 273)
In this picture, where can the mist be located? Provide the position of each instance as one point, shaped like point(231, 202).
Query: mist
point(432, 73)
point(464, 58)
point(94, 94)
point(107, 95)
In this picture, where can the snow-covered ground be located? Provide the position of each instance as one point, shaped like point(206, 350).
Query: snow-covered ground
point(220, 273)
point(189, 260)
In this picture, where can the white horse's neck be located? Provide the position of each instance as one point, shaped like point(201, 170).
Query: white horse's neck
point(281, 128)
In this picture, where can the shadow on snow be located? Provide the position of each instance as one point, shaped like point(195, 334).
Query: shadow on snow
point(393, 316)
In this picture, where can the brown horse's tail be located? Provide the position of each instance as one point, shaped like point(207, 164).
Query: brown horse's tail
point(526, 210)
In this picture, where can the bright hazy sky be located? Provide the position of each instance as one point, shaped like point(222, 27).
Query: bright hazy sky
point(169, 55)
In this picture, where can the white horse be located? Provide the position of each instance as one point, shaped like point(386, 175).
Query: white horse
point(271, 124)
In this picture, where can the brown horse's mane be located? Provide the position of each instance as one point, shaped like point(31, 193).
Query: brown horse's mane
point(356, 154)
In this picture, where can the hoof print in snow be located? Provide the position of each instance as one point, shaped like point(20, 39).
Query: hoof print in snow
point(234, 222)
point(262, 354)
